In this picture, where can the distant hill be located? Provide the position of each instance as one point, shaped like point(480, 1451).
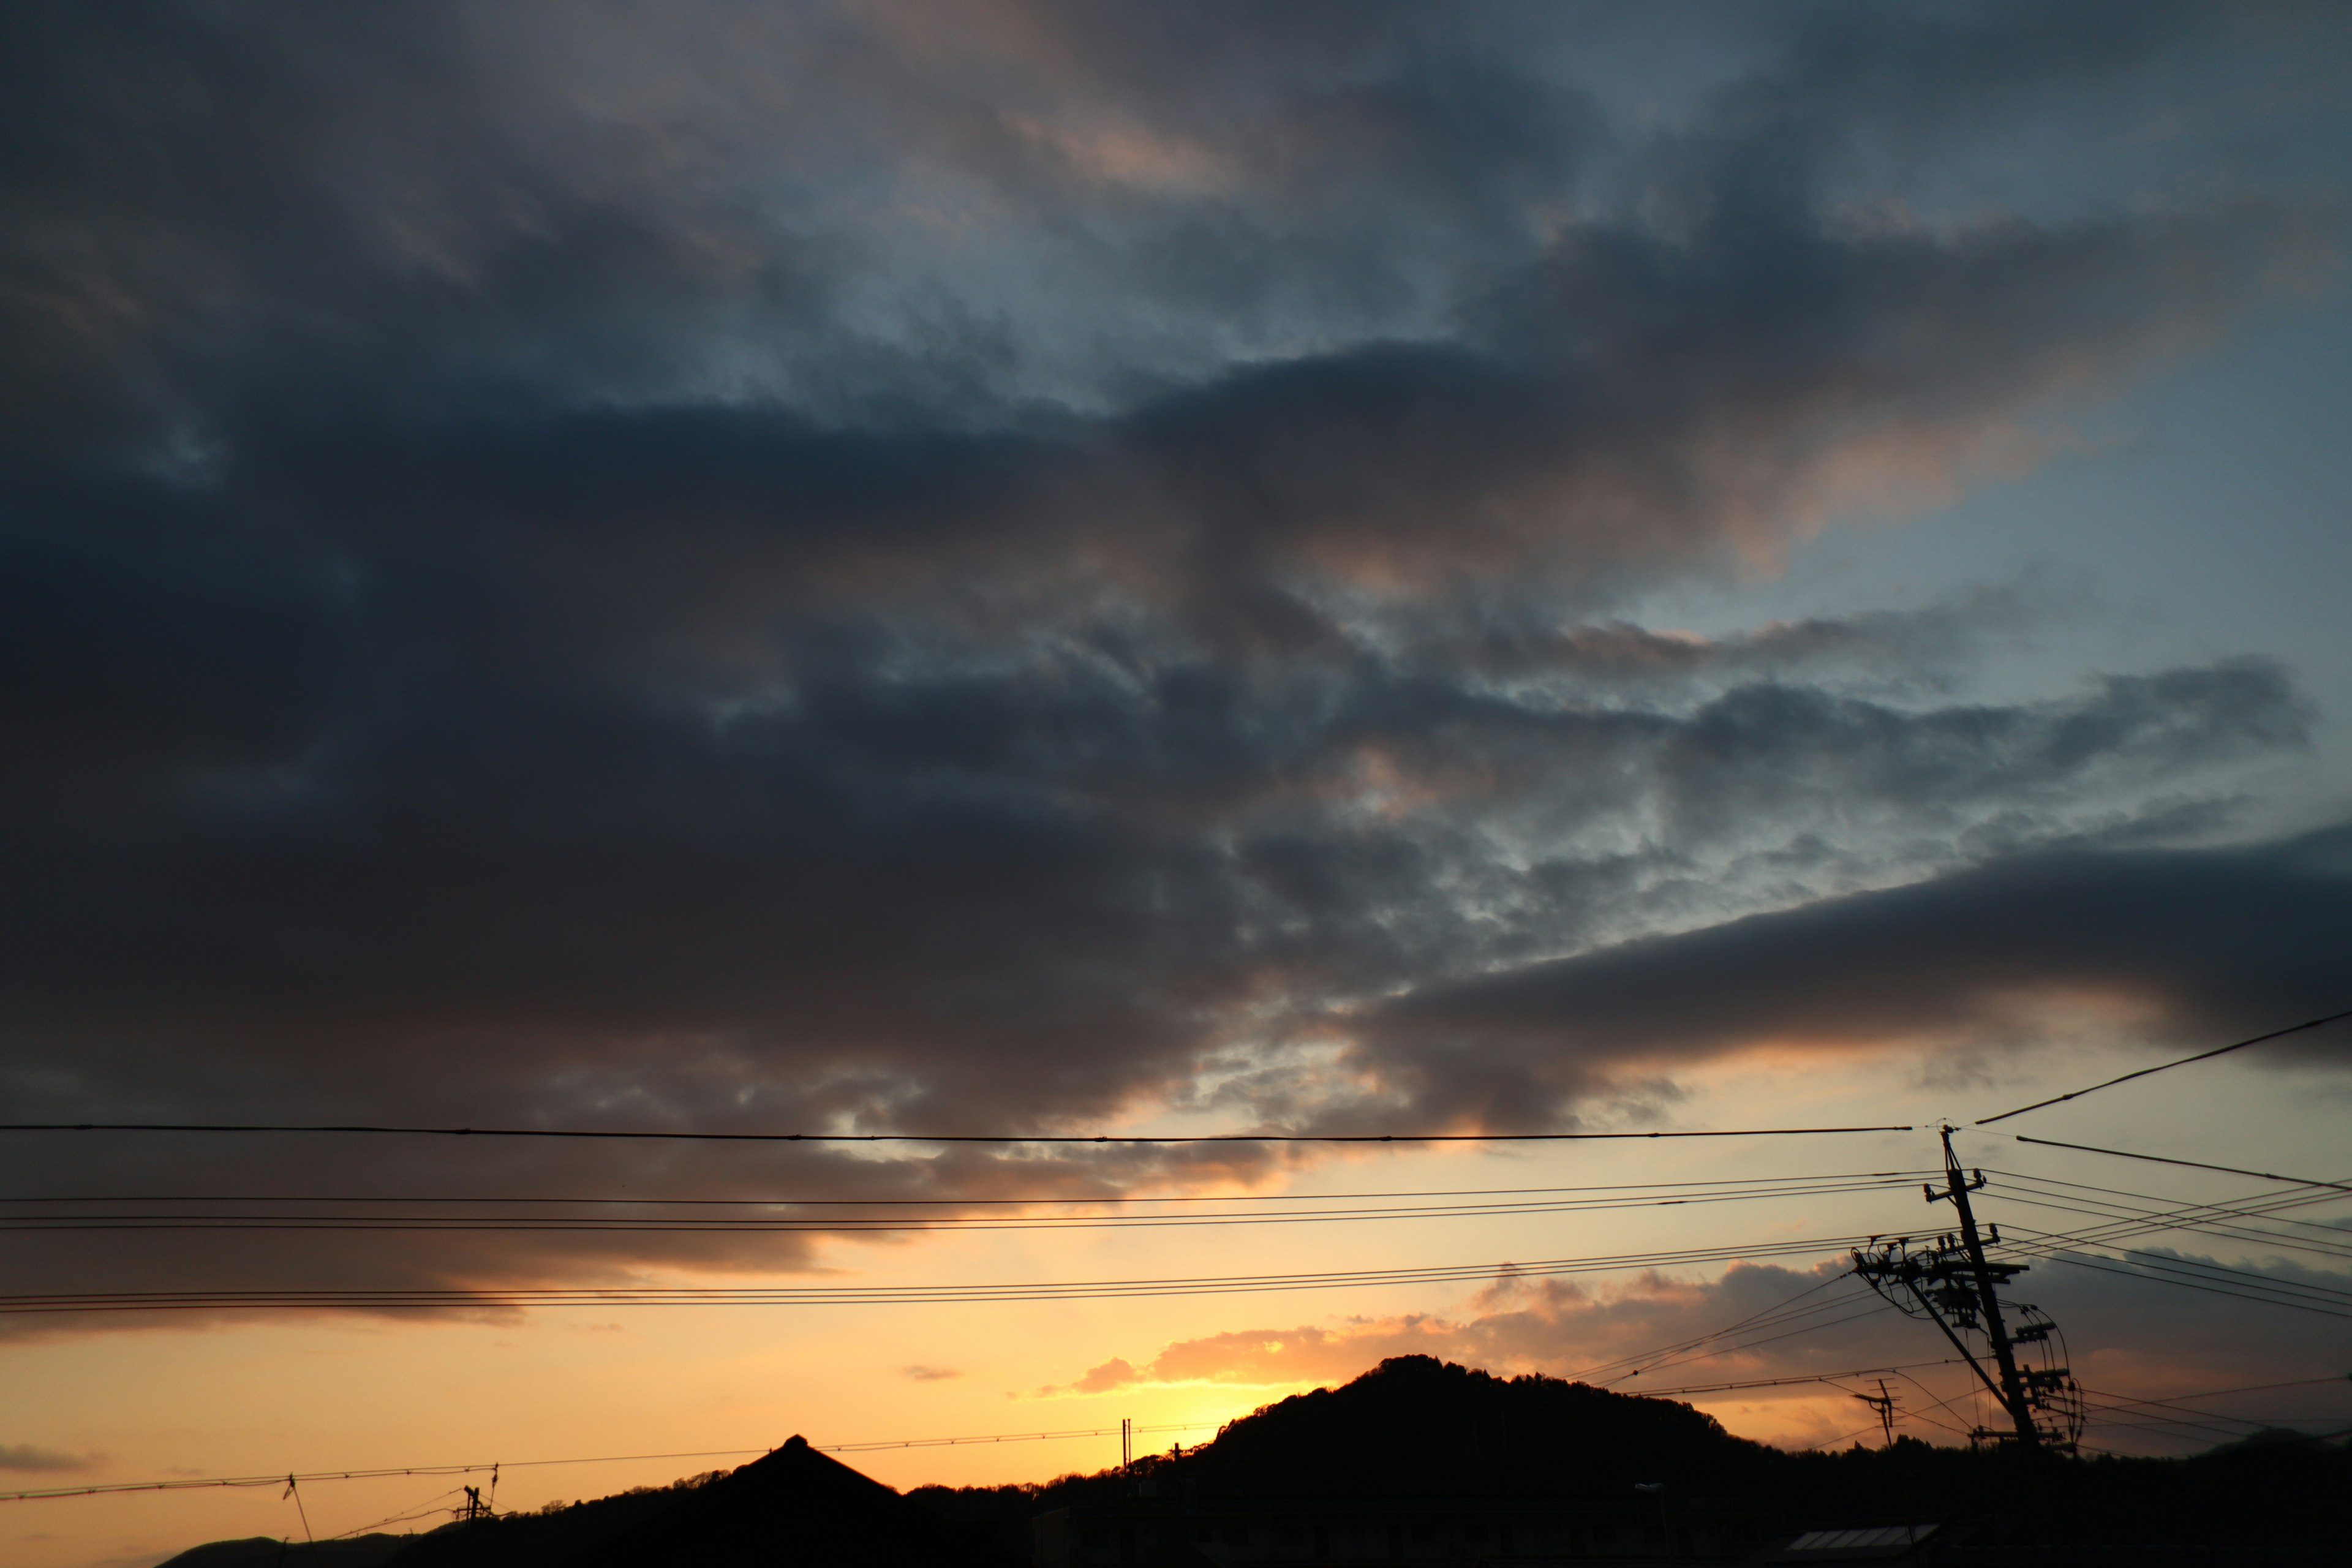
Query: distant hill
point(553, 1536)
point(265, 1552)
point(1410, 1427)
point(1419, 1427)
point(1415, 1426)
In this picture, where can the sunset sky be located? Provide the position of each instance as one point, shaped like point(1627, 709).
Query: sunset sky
point(1149, 570)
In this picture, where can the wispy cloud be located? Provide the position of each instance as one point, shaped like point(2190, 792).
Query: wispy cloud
point(26, 1457)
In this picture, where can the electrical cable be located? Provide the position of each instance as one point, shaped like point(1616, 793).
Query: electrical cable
point(2112, 1234)
point(1944, 1404)
point(2245, 1207)
point(1792, 1382)
point(415, 1511)
point(2192, 1216)
point(2193, 1164)
point(1749, 1344)
point(2166, 1067)
point(2233, 1233)
point(388, 1298)
point(2154, 1409)
point(2073, 1260)
point(1005, 1138)
point(728, 1224)
point(1771, 1316)
point(2246, 1388)
point(43, 1494)
point(962, 1202)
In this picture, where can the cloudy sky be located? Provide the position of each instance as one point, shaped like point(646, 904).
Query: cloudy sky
point(1061, 569)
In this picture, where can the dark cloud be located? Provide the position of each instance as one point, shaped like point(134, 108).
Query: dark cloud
point(2200, 944)
point(47, 1461)
point(891, 567)
point(2130, 1333)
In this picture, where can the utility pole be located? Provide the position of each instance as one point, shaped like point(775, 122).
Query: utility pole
point(1957, 1188)
point(1126, 1442)
point(1882, 1405)
point(1952, 1284)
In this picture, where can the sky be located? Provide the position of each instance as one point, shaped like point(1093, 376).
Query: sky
point(1064, 569)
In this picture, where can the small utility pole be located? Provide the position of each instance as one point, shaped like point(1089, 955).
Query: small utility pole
point(1882, 1405)
point(1126, 1442)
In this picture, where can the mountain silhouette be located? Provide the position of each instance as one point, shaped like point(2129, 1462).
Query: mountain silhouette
point(793, 1506)
point(1412, 1428)
point(1415, 1426)
point(268, 1552)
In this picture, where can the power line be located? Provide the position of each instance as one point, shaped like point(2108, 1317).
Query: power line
point(876, 1445)
point(2147, 1272)
point(43, 1494)
point(2193, 1164)
point(2168, 1270)
point(1786, 1333)
point(1582, 1373)
point(959, 1201)
point(2328, 1240)
point(1792, 1382)
point(2195, 1217)
point(420, 1298)
point(2269, 1210)
point(2166, 1067)
point(732, 1224)
point(1926, 1413)
point(1009, 1138)
point(2233, 1233)
point(1782, 1311)
point(2118, 1407)
point(2245, 1388)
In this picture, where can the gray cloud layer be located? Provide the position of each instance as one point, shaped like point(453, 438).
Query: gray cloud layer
point(753, 567)
point(2131, 1335)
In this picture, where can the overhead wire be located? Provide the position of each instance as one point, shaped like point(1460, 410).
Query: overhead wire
point(1778, 1313)
point(2141, 1220)
point(2124, 1410)
point(2168, 1066)
point(390, 1297)
point(430, 1506)
point(2269, 1240)
point(2142, 1273)
point(2173, 1268)
point(1924, 1412)
point(956, 1200)
point(43, 1494)
point(2341, 1378)
point(1676, 1194)
point(1792, 1382)
point(668, 1135)
point(2193, 1216)
point(2252, 1206)
point(2193, 1164)
point(1868, 1308)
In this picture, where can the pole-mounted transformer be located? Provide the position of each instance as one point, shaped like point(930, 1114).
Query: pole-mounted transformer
point(1950, 1282)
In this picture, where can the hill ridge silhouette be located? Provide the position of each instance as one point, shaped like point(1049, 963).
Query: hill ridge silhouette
point(1412, 1427)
